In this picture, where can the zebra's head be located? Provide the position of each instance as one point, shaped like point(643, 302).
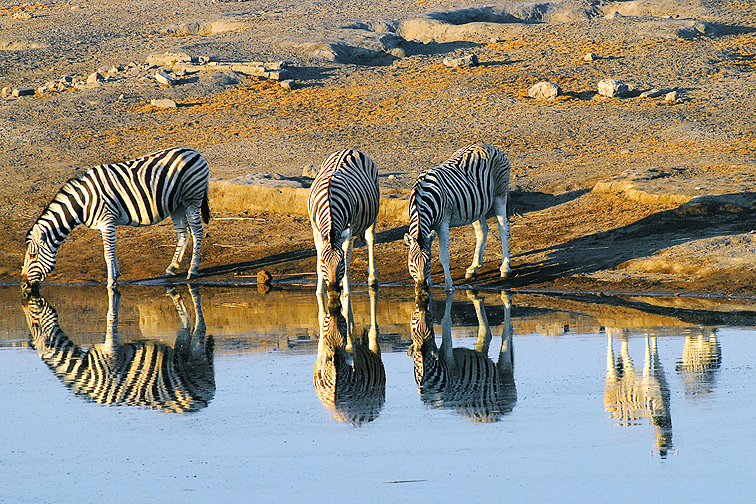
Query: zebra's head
point(332, 264)
point(39, 261)
point(423, 350)
point(419, 259)
point(41, 318)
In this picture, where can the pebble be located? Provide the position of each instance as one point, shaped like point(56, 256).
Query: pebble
point(287, 84)
point(613, 88)
point(23, 91)
point(95, 78)
point(544, 90)
point(590, 57)
point(163, 103)
point(465, 61)
point(671, 97)
point(165, 78)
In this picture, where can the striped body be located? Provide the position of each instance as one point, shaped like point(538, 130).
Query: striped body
point(140, 192)
point(463, 379)
point(349, 379)
point(343, 204)
point(146, 374)
point(461, 191)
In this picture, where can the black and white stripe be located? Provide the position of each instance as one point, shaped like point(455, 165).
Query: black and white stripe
point(461, 191)
point(140, 192)
point(463, 379)
point(145, 374)
point(349, 376)
point(343, 204)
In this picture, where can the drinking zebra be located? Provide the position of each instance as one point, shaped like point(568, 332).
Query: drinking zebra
point(146, 374)
point(343, 204)
point(464, 379)
point(349, 376)
point(459, 192)
point(140, 192)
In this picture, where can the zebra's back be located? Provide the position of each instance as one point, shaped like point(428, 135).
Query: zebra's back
point(345, 194)
point(464, 186)
point(148, 189)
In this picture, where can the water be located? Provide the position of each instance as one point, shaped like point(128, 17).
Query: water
point(609, 398)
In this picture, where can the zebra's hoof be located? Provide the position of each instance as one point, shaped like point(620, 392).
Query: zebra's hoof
point(192, 275)
point(506, 274)
point(170, 272)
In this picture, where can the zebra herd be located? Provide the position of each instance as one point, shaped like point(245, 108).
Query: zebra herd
point(343, 203)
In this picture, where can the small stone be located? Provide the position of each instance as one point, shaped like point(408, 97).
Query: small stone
point(671, 97)
point(5, 91)
point(287, 84)
point(23, 91)
point(544, 91)
point(263, 278)
point(168, 58)
point(465, 61)
point(398, 52)
point(163, 103)
point(590, 57)
point(23, 15)
point(95, 78)
point(203, 60)
point(391, 177)
point(165, 78)
point(613, 88)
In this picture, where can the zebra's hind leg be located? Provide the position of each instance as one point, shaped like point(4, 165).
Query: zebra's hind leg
point(194, 216)
point(372, 272)
point(481, 233)
point(179, 222)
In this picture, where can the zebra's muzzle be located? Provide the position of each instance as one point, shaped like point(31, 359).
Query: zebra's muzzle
point(29, 288)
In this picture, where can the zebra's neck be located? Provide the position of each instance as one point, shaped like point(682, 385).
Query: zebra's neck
point(61, 216)
point(424, 216)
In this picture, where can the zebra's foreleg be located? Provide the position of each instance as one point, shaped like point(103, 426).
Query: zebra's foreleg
point(108, 234)
point(180, 223)
point(500, 208)
point(194, 215)
point(484, 329)
point(443, 255)
point(481, 233)
point(372, 272)
point(319, 244)
point(346, 248)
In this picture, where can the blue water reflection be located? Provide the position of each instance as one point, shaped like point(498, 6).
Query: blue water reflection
point(587, 393)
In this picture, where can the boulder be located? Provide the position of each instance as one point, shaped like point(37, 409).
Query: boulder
point(544, 91)
point(612, 88)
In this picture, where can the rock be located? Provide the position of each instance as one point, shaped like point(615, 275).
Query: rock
point(23, 15)
point(613, 88)
point(671, 97)
point(465, 61)
point(163, 103)
point(263, 278)
point(5, 91)
point(287, 84)
point(276, 75)
point(95, 78)
point(165, 78)
point(590, 57)
point(168, 58)
point(398, 52)
point(544, 91)
point(23, 91)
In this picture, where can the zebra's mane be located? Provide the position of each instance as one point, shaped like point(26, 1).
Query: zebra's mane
point(418, 227)
point(71, 182)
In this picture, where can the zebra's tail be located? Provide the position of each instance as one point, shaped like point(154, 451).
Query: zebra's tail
point(205, 208)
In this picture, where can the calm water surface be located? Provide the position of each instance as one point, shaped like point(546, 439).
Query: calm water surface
point(206, 395)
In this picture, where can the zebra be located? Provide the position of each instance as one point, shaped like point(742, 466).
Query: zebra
point(630, 396)
point(459, 192)
point(463, 379)
point(145, 374)
point(343, 203)
point(140, 192)
point(349, 377)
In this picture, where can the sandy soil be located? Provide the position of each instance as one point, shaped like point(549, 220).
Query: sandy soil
point(626, 194)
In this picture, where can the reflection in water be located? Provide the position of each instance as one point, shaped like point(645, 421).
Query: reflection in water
point(629, 397)
point(461, 378)
point(349, 376)
point(701, 359)
point(145, 373)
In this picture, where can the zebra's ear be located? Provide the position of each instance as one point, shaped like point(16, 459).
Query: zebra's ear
point(431, 236)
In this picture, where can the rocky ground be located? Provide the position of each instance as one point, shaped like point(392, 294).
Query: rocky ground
point(645, 192)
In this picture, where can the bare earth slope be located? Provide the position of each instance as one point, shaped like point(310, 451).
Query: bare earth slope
point(613, 194)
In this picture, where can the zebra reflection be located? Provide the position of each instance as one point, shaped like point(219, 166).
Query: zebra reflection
point(145, 374)
point(630, 396)
point(349, 376)
point(464, 379)
point(701, 359)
